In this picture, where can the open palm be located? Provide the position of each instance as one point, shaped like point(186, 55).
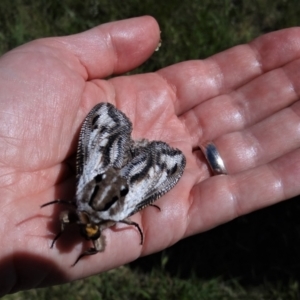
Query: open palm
point(245, 99)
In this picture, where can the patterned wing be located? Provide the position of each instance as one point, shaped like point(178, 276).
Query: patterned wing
point(103, 141)
point(154, 169)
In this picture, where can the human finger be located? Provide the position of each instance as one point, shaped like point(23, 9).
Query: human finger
point(107, 49)
point(251, 103)
point(194, 82)
point(220, 199)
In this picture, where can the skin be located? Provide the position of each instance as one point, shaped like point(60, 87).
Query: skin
point(245, 99)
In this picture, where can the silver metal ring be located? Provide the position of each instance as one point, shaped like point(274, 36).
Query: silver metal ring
point(213, 158)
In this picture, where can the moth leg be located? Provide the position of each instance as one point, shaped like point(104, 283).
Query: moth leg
point(58, 201)
point(155, 206)
point(90, 251)
point(66, 218)
point(129, 222)
point(99, 246)
point(55, 239)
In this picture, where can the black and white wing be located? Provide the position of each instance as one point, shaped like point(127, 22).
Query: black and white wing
point(154, 169)
point(103, 141)
point(118, 176)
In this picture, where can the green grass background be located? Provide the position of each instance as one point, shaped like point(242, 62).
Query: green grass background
point(253, 257)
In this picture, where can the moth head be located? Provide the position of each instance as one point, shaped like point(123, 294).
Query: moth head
point(88, 229)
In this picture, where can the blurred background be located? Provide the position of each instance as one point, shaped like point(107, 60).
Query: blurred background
point(253, 257)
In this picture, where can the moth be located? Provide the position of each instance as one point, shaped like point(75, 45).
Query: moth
point(116, 176)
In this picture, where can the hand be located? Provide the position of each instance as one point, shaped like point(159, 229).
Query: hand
point(244, 99)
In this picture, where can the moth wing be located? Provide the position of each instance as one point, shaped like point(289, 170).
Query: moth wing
point(154, 170)
point(103, 141)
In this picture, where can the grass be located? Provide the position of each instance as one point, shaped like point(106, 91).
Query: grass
point(253, 257)
point(123, 284)
point(190, 29)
